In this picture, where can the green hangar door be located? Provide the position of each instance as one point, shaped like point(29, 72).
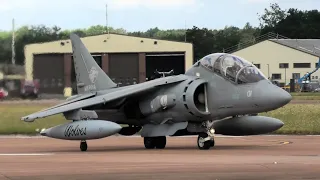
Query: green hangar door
point(124, 68)
point(49, 70)
point(164, 62)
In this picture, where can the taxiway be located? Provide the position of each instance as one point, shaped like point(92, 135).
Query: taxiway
point(118, 157)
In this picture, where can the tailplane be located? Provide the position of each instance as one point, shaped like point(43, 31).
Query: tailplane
point(90, 77)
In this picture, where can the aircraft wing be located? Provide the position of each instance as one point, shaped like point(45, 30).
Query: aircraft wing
point(74, 99)
point(104, 98)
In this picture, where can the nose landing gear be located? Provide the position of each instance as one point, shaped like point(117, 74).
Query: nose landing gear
point(206, 140)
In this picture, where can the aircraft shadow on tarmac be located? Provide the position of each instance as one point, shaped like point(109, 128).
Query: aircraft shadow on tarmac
point(142, 149)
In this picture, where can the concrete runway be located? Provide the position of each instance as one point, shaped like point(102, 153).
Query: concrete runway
point(118, 157)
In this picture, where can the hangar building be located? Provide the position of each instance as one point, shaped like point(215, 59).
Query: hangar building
point(126, 59)
point(281, 58)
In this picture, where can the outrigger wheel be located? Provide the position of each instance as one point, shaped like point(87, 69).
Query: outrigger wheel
point(83, 146)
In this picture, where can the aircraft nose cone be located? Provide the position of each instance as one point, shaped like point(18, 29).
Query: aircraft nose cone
point(281, 97)
point(286, 97)
point(271, 97)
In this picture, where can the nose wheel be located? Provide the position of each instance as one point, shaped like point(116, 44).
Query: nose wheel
point(83, 146)
point(206, 140)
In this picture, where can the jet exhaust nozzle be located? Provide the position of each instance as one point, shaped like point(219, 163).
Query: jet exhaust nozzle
point(82, 130)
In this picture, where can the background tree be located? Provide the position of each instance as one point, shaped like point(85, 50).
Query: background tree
point(272, 16)
point(5, 46)
point(248, 33)
point(292, 23)
point(300, 24)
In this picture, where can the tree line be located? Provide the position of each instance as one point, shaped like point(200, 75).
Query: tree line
point(291, 23)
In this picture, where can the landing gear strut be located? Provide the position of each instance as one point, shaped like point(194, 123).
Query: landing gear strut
point(155, 142)
point(83, 145)
point(206, 140)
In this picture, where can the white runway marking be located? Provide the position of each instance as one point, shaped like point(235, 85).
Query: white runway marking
point(21, 137)
point(25, 154)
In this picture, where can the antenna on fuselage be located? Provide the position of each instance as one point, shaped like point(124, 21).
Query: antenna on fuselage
point(164, 74)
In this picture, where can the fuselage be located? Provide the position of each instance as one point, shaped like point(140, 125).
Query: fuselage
point(225, 98)
point(218, 86)
point(211, 91)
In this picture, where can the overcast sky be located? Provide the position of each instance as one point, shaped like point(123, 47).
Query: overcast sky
point(134, 15)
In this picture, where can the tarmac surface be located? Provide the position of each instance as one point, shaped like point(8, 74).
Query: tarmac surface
point(118, 157)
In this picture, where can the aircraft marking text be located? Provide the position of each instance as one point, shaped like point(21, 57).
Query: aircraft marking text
point(93, 74)
point(75, 131)
point(90, 87)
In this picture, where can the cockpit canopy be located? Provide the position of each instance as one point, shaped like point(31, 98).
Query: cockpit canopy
point(232, 67)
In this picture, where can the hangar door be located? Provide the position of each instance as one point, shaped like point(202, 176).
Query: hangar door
point(124, 68)
point(164, 62)
point(49, 70)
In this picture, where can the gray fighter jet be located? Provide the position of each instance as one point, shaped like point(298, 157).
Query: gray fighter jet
point(219, 94)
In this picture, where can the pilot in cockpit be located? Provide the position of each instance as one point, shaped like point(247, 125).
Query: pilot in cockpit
point(230, 67)
point(233, 68)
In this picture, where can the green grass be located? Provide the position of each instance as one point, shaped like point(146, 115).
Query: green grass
point(298, 119)
point(305, 96)
point(10, 122)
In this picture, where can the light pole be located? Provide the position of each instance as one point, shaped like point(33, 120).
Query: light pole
point(268, 72)
point(13, 58)
point(285, 75)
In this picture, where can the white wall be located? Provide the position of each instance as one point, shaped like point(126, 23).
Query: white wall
point(268, 52)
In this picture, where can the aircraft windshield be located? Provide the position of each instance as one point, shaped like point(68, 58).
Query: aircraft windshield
point(232, 67)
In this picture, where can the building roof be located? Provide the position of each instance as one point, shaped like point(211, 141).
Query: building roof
point(310, 46)
point(109, 43)
point(107, 36)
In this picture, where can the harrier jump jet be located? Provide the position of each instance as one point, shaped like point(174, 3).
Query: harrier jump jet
point(219, 94)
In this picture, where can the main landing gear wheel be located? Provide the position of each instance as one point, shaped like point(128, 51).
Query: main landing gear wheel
point(155, 142)
point(83, 146)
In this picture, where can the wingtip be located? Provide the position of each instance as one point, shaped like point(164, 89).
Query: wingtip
point(27, 119)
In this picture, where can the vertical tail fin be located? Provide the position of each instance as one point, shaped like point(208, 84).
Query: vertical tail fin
point(90, 77)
